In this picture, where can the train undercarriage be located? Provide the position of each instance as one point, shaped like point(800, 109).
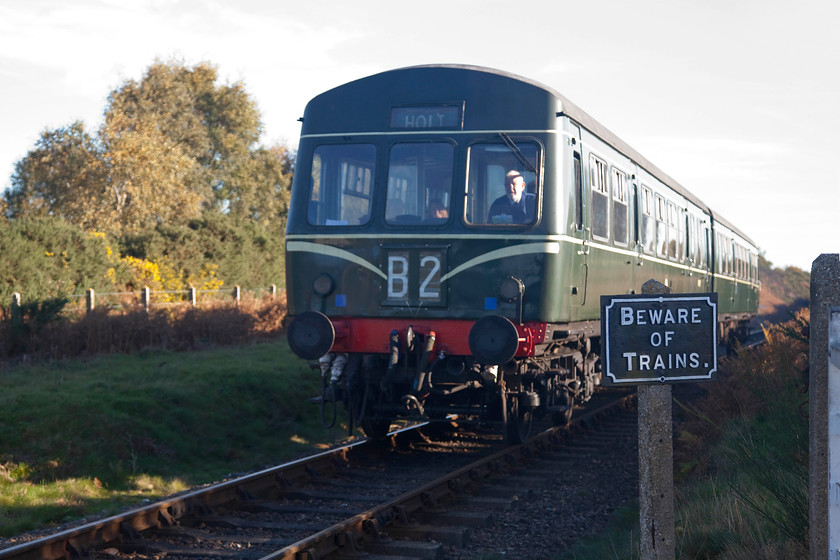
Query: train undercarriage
point(415, 380)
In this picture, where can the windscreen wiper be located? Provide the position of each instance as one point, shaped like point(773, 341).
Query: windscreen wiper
point(517, 152)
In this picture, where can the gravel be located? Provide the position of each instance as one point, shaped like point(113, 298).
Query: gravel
point(556, 510)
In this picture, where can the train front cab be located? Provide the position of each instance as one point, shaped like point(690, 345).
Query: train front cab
point(435, 313)
point(427, 304)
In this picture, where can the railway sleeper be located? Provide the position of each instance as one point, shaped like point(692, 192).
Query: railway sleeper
point(453, 535)
point(471, 519)
point(401, 550)
point(503, 504)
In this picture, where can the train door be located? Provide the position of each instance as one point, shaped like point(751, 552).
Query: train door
point(646, 215)
point(738, 291)
point(579, 263)
point(702, 260)
point(707, 256)
point(636, 211)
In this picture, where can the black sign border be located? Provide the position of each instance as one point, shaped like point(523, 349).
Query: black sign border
point(610, 379)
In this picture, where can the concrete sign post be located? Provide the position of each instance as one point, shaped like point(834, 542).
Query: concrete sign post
point(834, 434)
point(652, 341)
point(823, 393)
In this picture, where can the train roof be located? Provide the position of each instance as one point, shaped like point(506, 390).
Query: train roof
point(509, 84)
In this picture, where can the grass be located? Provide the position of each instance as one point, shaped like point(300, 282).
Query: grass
point(87, 437)
point(741, 463)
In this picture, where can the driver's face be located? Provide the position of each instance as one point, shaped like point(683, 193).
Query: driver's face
point(515, 188)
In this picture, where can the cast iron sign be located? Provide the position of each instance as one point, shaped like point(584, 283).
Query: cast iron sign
point(658, 338)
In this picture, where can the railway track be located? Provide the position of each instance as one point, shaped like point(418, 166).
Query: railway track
point(418, 497)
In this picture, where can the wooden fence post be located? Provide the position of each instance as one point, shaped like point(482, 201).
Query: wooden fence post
point(191, 295)
point(91, 300)
point(146, 298)
point(273, 290)
point(236, 294)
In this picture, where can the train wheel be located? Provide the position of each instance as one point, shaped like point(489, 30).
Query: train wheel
point(376, 428)
point(563, 417)
point(518, 425)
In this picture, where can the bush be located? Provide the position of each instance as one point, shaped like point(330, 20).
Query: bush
point(243, 252)
point(46, 258)
point(38, 333)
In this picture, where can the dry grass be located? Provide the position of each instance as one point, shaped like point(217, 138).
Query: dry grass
point(131, 329)
point(750, 381)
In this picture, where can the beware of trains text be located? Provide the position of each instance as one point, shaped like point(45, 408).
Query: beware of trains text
point(658, 338)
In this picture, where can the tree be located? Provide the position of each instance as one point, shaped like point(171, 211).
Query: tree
point(61, 176)
point(147, 176)
point(216, 126)
point(271, 173)
point(172, 145)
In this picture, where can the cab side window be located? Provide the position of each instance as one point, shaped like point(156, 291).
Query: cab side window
point(492, 166)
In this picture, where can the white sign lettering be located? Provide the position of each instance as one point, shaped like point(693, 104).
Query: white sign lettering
point(432, 265)
point(397, 276)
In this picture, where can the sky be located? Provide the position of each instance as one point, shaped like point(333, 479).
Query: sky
point(738, 100)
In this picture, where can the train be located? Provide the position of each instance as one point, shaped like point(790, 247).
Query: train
point(449, 233)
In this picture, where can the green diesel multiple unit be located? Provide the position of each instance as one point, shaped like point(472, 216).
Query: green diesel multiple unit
point(450, 232)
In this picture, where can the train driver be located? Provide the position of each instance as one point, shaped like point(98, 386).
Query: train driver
point(515, 206)
point(438, 210)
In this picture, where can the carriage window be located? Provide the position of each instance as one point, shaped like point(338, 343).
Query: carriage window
point(600, 196)
point(491, 166)
point(419, 183)
point(648, 221)
point(730, 259)
point(619, 191)
point(724, 255)
point(676, 232)
point(672, 231)
point(342, 184)
point(693, 239)
point(740, 262)
point(681, 235)
point(728, 266)
point(661, 228)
